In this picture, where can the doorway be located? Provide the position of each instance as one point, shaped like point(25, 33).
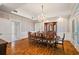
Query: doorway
point(17, 30)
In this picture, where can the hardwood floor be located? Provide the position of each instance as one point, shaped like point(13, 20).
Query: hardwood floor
point(24, 47)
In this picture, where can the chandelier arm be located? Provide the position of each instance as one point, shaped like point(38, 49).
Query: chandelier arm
point(42, 8)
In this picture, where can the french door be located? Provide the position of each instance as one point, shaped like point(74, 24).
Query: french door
point(75, 32)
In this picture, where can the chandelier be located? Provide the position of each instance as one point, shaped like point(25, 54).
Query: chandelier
point(41, 17)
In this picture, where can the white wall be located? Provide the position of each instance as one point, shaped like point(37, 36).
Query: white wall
point(7, 21)
point(39, 26)
point(63, 27)
point(26, 25)
point(5, 29)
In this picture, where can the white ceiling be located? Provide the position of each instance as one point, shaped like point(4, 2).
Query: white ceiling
point(30, 10)
point(8, 7)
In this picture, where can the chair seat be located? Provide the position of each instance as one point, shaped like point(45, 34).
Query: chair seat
point(44, 40)
point(51, 42)
point(59, 42)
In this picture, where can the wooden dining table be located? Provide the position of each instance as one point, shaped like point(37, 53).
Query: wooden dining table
point(48, 37)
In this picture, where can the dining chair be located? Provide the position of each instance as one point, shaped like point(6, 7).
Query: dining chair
point(60, 41)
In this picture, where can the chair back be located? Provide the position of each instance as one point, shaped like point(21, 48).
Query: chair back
point(63, 37)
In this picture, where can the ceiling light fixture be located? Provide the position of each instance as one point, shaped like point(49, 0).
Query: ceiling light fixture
point(60, 19)
point(41, 17)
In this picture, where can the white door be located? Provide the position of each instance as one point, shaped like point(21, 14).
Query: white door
point(15, 34)
point(17, 30)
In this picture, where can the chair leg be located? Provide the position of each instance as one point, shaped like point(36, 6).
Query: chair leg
point(55, 45)
point(63, 48)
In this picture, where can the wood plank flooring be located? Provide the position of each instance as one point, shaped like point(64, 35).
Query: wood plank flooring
point(24, 47)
